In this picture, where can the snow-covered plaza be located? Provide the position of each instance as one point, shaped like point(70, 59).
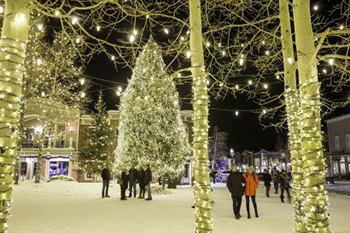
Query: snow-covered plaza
point(73, 207)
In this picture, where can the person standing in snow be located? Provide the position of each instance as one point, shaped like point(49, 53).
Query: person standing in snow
point(105, 174)
point(276, 179)
point(235, 182)
point(141, 179)
point(267, 182)
point(251, 184)
point(284, 183)
point(132, 180)
point(123, 181)
point(148, 179)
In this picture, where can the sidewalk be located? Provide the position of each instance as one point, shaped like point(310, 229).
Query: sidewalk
point(340, 187)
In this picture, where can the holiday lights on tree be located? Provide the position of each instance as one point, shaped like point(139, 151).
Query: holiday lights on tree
point(100, 142)
point(151, 129)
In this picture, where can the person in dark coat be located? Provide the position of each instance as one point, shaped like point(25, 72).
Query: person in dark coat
point(284, 183)
point(142, 184)
point(148, 179)
point(123, 184)
point(213, 175)
point(132, 180)
point(276, 179)
point(105, 174)
point(235, 182)
point(267, 182)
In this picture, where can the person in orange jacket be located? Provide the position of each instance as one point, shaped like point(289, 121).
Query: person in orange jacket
point(251, 184)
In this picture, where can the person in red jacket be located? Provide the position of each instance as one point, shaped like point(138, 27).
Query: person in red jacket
point(251, 184)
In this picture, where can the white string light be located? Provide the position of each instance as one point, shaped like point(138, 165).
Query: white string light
point(315, 7)
point(1, 9)
point(74, 20)
point(331, 61)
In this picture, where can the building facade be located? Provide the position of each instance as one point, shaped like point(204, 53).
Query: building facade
point(339, 146)
point(63, 140)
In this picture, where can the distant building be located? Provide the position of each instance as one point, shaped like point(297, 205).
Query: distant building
point(64, 139)
point(339, 146)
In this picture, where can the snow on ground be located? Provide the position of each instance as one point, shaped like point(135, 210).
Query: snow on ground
point(72, 207)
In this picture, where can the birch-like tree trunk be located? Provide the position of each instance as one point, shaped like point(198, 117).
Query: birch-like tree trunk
point(292, 109)
point(203, 201)
point(313, 162)
point(12, 53)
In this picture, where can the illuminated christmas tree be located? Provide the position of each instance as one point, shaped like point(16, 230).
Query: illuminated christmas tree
point(100, 141)
point(151, 129)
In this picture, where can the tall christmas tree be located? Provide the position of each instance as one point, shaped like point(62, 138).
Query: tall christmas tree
point(151, 129)
point(100, 142)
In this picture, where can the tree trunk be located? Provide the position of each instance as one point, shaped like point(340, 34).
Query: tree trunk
point(40, 155)
point(203, 201)
point(314, 168)
point(292, 109)
point(163, 182)
point(13, 43)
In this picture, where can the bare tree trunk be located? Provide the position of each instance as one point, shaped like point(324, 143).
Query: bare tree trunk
point(203, 201)
point(215, 151)
point(13, 43)
point(315, 204)
point(40, 155)
point(292, 108)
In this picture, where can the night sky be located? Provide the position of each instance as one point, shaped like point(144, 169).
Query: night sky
point(245, 131)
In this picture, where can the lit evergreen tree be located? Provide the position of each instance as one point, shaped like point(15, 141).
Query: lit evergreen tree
point(100, 142)
point(151, 129)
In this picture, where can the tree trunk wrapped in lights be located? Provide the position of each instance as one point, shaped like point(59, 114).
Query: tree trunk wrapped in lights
point(12, 53)
point(203, 201)
point(316, 201)
point(292, 109)
point(41, 142)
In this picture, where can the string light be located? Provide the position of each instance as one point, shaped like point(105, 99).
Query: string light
point(267, 52)
point(241, 61)
point(57, 13)
point(74, 20)
point(250, 82)
point(132, 38)
point(236, 113)
point(82, 81)
point(315, 7)
point(265, 86)
point(38, 61)
point(290, 60)
point(188, 54)
point(98, 28)
point(331, 61)
point(1, 9)
point(166, 31)
point(77, 40)
point(341, 27)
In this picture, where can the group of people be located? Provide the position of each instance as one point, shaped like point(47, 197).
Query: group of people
point(129, 179)
point(247, 183)
point(243, 184)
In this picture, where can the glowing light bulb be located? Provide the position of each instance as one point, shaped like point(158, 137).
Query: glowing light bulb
point(1, 9)
point(236, 113)
point(278, 77)
point(82, 81)
point(83, 94)
point(264, 111)
point(290, 60)
point(40, 27)
point(263, 42)
point(241, 61)
point(98, 28)
point(223, 52)
point(324, 71)
point(182, 38)
point(250, 82)
point(265, 86)
point(57, 13)
point(20, 18)
point(166, 31)
point(341, 27)
point(132, 38)
point(38, 61)
point(77, 40)
point(74, 20)
point(43, 94)
point(267, 52)
point(315, 7)
point(208, 44)
point(188, 54)
point(113, 57)
point(331, 61)
point(237, 87)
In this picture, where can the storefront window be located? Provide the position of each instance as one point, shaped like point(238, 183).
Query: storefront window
point(59, 168)
point(23, 171)
point(342, 169)
point(335, 168)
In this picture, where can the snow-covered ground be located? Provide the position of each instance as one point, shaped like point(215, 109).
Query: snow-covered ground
point(72, 207)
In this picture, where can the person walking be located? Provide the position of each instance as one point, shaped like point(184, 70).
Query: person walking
point(132, 180)
point(276, 179)
point(284, 183)
point(123, 184)
point(251, 184)
point(105, 174)
point(267, 182)
point(141, 179)
point(235, 182)
point(148, 179)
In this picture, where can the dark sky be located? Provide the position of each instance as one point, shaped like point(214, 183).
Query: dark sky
point(244, 130)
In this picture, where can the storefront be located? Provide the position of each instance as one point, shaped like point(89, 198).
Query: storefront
point(340, 165)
